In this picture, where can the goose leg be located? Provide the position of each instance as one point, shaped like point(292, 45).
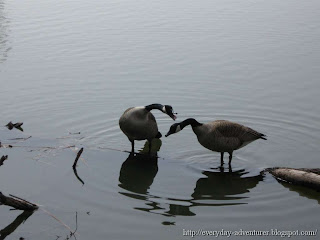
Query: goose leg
point(132, 146)
point(222, 158)
point(230, 157)
point(149, 146)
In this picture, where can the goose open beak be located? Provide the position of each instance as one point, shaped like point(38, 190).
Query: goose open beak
point(173, 116)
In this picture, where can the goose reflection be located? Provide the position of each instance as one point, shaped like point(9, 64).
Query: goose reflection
point(139, 170)
point(218, 187)
point(224, 184)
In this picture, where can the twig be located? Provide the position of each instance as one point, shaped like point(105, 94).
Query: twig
point(75, 165)
point(73, 233)
point(76, 173)
point(71, 133)
point(58, 220)
point(23, 200)
point(77, 158)
point(20, 138)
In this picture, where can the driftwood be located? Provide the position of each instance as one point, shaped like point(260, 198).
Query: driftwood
point(300, 176)
point(17, 203)
point(3, 158)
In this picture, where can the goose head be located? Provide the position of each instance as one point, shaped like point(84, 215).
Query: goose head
point(167, 109)
point(176, 127)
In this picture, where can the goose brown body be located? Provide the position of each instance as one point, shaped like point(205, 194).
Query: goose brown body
point(225, 136)
point(138, 124)
point(220, 135)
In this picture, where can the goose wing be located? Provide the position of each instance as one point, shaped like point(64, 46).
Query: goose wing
point(234, 130)
point(138, 124)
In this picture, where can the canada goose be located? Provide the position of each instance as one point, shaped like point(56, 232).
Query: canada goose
point(220, 135)
point(138, 123)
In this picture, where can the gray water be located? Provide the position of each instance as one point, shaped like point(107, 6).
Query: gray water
point(75, 66)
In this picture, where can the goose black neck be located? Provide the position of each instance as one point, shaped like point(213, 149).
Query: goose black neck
point(154, 106)
point(190, 121)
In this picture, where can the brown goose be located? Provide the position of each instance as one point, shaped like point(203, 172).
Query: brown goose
point(220, 135)
point(138, 123)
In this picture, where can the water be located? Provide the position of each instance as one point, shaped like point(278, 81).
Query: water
point(75, 66)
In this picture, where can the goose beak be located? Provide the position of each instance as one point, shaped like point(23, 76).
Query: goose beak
point(173, 116)
point(168, 134)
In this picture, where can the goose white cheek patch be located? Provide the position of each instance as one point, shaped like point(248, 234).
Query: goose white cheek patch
point(164, 110)
point(178, 129)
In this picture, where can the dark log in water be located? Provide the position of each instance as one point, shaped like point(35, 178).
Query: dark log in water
point(17, 203)
point(300, 176)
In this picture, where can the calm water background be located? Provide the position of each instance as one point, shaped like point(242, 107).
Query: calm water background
point(77, 65)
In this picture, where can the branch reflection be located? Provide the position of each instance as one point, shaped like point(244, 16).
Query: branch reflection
point(15, 224)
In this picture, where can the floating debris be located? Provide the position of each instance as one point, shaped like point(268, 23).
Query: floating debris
point(3, 158)
point(17, 125)
point(21, 138)
point(71, 133)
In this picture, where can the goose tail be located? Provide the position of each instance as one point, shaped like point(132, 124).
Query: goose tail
point(264, 137)
point(159, 135)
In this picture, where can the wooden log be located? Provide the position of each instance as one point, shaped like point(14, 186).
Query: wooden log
point(304, 177)
point(17, 203)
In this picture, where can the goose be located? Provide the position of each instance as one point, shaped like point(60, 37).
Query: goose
point(138, 123)
point(220, 135)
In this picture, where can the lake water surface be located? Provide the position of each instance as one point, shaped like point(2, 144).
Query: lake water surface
point(75, 66)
